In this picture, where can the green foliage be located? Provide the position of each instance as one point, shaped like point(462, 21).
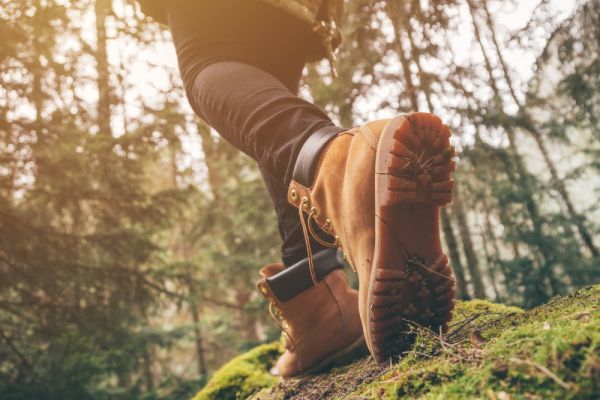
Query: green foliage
point(79, 220)
point(243, 376)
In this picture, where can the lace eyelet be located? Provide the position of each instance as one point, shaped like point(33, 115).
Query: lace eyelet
point(304, 203)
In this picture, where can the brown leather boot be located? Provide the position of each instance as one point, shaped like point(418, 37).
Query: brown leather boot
point(377, 190)
point(320, 324)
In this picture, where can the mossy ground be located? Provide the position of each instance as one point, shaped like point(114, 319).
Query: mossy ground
point(491, 352)
point(243, 376)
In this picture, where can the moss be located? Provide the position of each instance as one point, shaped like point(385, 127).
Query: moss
point(482, 309)
point(550, 352)
point(243, 376)
point(491, 352)
point(429, 365)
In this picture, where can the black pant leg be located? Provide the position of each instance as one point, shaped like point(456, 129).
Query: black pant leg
point(256, 113)
point(241, 63)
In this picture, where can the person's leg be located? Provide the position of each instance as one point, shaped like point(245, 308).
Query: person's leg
point(255, 112)
point(242, 78)
point(245, 89)
point(241, 62)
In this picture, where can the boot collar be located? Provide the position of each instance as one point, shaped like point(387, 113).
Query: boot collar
point(285, 284)
point(309, 155)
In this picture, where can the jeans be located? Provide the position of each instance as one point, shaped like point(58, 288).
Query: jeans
point(241, 62)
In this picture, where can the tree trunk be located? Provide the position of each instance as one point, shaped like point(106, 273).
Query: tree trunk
point(148, 376)
point(489, 231)
point(211, 154)
point(103, 9)
point(199, 338)
point(416, 57)
point(37, 72)
point(179, 247)
point(491, 270)
point(468, 248)
point(394, 14)
point(452, 245)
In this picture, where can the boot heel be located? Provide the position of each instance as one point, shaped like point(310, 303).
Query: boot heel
point(418, 163)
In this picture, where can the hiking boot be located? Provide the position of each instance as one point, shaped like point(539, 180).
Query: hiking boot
point(377, 191)
point(320, 324)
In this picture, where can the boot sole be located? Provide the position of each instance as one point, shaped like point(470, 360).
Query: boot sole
point(408, 285)
point(343, 356)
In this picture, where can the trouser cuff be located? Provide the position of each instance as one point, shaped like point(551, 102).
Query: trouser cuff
point(309, 155)
point(294, 280)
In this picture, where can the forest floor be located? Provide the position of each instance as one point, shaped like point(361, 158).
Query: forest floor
point(491, 352)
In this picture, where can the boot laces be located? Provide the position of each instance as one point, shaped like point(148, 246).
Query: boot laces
point(276, 315)
point(308, 231)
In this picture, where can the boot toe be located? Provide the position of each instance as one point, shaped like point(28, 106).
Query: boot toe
point(287, 366)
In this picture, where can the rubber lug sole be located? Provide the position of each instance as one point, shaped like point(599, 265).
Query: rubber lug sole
point(411, 280)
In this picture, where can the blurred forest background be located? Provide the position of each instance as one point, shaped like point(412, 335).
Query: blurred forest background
point(131, 235)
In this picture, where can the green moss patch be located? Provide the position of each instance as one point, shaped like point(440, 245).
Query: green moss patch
point(491, 352)
point(243, 376)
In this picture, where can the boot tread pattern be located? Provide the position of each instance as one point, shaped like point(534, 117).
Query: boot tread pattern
point(419, 165)
point(417, 295)
point(408, 291)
